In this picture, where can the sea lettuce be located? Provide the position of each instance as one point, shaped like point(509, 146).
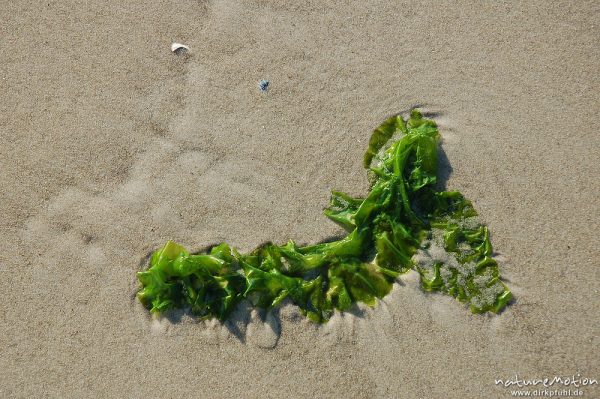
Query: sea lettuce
point(404, 223)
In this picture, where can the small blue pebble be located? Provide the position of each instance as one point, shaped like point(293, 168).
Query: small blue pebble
point(263, 85)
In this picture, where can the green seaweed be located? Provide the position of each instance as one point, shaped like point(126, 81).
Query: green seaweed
point(403, 214)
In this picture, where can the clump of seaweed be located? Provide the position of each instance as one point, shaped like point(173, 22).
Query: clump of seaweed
point(403, 223)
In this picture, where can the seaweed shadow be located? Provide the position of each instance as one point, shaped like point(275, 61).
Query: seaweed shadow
point(444, 169)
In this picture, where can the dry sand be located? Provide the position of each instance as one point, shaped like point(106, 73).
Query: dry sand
point(111, 145)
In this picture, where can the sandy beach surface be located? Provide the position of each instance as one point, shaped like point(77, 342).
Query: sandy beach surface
point(111, 145)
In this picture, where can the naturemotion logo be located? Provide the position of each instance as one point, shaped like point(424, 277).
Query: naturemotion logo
point(556, 386)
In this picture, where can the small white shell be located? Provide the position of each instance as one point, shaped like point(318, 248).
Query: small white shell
point(179, 48)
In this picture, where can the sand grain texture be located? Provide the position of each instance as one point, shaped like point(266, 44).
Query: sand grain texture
point(111, 145)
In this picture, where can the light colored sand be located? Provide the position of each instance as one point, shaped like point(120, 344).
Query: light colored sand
point(110, 145)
